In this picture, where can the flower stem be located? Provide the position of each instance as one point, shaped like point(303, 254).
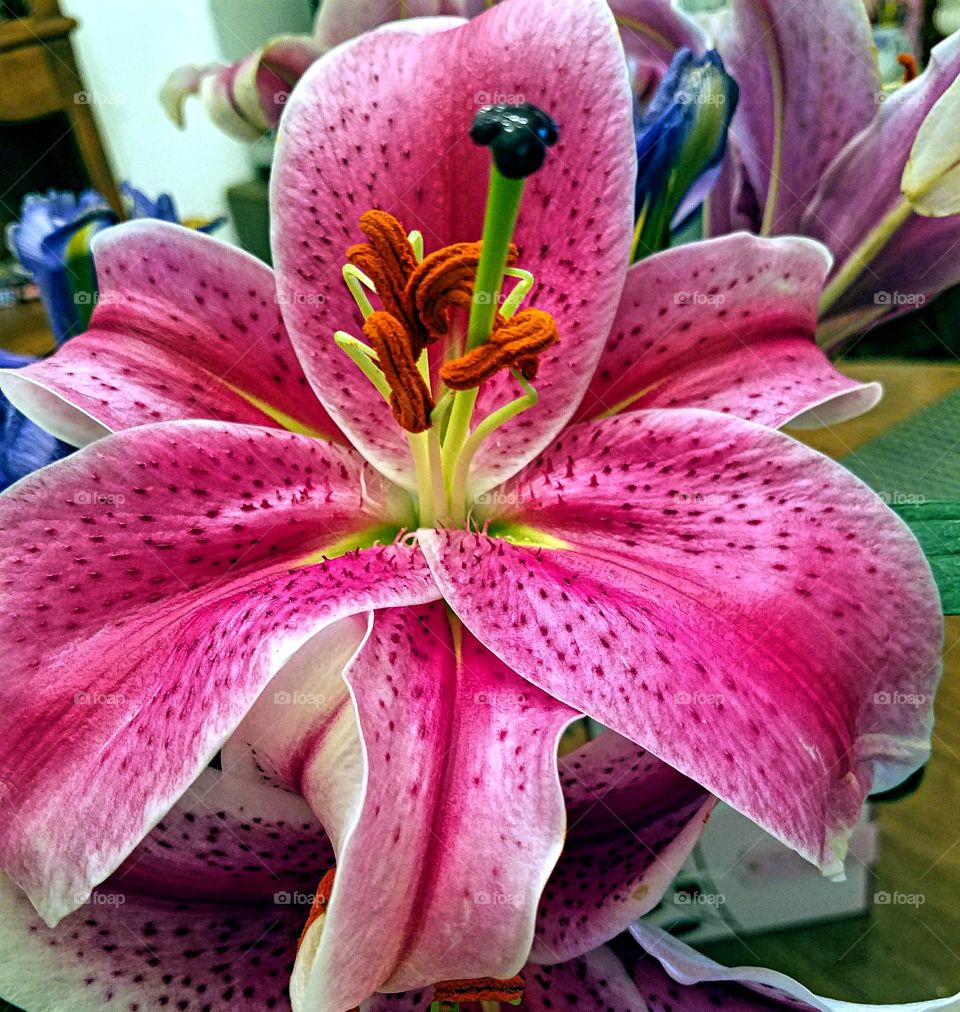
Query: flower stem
point(857, 262)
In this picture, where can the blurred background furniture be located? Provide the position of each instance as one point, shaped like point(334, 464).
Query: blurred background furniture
point(47, 130)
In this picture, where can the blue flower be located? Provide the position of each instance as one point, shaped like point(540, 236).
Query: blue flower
point(24, 446)
point(53, 241)
point(681, 140)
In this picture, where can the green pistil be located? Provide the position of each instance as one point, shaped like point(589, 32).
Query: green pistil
point(500, 221)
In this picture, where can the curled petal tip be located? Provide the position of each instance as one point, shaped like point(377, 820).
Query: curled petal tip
point(180, 85)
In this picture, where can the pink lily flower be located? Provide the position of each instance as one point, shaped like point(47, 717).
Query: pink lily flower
point(708, 588)
point(207, 911)
point(804, 139)
point(208, 908)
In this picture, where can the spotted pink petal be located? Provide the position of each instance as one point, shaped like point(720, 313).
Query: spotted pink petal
point(449, 836)
point(406, 149)
point(304, 717)
point(721, 595)
point(796, 111)
point(727, 324)
point(920, 259)
point(185, 327)
point(204, 914)
point(150, 586)
point(631, 823)
point(706, 986)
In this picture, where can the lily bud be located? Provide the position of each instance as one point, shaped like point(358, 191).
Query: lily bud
point(681, 139)
point(246, 98)
point(931, 179)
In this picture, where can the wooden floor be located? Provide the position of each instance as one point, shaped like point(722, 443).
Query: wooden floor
point(908, 950)
point(24, 330)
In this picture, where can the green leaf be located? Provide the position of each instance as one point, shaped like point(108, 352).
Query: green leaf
point(937, 528)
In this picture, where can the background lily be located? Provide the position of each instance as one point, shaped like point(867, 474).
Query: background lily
point(209, 907)
point(712, 590)
point(806, 135)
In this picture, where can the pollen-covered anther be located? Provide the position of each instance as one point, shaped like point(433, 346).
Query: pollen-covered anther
point(445, 279)
point(909, 63)
point(320, 900)
point(516, 343)
point(409, 397)
point(456, 992)
point(389, 261)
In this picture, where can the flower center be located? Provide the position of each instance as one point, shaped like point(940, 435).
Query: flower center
point(424, 302)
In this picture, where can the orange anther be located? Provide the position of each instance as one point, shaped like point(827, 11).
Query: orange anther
point(515, 343)
point(409, 397)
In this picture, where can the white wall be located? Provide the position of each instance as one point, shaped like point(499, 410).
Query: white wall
point(125, 50)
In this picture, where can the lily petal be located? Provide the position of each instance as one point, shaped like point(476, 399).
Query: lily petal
point(785, 58)
point(931, 179)
point(304, 725)
point(597, 980)
point(457, 824)
point(652, 31)
point(741, 989)
point(727, 324)
point(206, 912)
point(180, 85)
point(337, 158)
point(723, 596)
point(918, 259)
point(185, 327)
point(632, 821)
point(151, 585)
